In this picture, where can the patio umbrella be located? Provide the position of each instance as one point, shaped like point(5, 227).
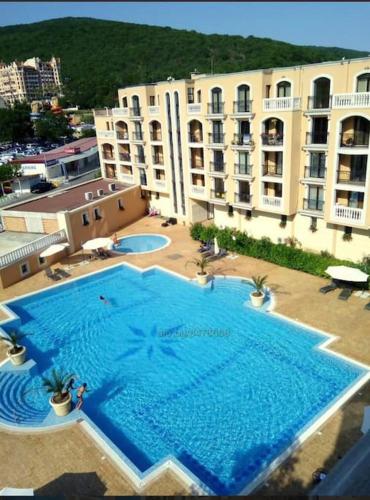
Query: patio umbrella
point(53, 249)
point(366, 420)
point(96, 243)
point(217, 248)
point(345, 273)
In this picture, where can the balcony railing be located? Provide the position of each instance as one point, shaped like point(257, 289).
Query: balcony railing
point(272, 139)
point(313, 204)
point(105, 134)
point(216, 138)
point(108, 156)
point(195, 137)
point(216, 108)
point(356, 100)
point(218, 195)
point(196, 164)
point(317, 102)
point(243, 198)
point(282, 104)
point(160, 183)
point(354, 139)
point(140, 159)
point(314, 172)
point(198, 189)
point(124, 156)
point(242, 169)
point(137, 136)
point(348, 214)
point(120, 111)
point(242, 106)
point(273, 170)
point(317, 138)
point(194, 109)
point(103, 112)
point(122, 136)
point(349, 177)
point(135, 111)
point(156, 136)
point(157, 160)
point(153, 110)
point(242, 140)
point(272, 201)
point(217, 166)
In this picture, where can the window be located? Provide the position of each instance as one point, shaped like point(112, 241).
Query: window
point(230, 211)
point(24, 268)
point(283, 89)
point(107, 125)
point(152, 100)
point(85, 219)
point(97, 214)
point(267, 91)
point(199, 96)
point(313, 225)
point(363, 83)
point(157, 196)
point(124, 102)
point(42, 260)
point(190, 95)
point(120, 204)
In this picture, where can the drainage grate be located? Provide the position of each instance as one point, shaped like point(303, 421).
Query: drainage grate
point(175, 256)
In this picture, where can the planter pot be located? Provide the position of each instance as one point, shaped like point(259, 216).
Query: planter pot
point(18, 358)
point(62, 409)
point(202, 278)
point(257, 300)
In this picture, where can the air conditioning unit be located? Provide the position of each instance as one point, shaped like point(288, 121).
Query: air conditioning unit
point(112, 186)
point(100, 192)
point(89, 196)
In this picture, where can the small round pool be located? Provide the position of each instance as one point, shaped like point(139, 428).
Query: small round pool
point(141, 243)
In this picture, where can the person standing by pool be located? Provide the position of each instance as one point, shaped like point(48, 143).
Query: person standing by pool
point(80, 392)
point(115, 239)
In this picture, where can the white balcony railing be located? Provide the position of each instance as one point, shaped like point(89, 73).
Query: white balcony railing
point(348, 214)
point(31, 248)
point(153, 110)
point(120, 111)
point(282, 104)
point(198, 189)
point(272, 201)
point(127, 178)
point(357, 100)
point(159, 183)
point(194, 109)
point(105, 134)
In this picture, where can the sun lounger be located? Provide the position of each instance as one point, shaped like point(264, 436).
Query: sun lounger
point(62, 272)
point(367, 307)
point(328, 288)
point(222, 253)
point(50, 275)
point(345, 294)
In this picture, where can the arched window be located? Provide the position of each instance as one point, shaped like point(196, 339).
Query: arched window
point(216, 104)
point(195, 131)
point(321, 93)
point(243, 99)
point(135, 105)
point(155, 131)
point(363, 83)
point(108, 151)
point(283, 89)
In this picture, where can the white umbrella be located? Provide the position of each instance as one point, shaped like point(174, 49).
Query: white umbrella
point(96, 243)
point(15, 492)
point(217, 248)
point(345, 273)
point(52, 250)
point(366, 420)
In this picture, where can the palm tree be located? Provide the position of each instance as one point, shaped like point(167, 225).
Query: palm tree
point(203, 263)
point(258, 283)
point(13, 338)
point(56, 384)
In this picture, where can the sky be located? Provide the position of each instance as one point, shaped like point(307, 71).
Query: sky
point(340, 24)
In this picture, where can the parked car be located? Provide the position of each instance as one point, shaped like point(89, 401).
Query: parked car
point(42, 187)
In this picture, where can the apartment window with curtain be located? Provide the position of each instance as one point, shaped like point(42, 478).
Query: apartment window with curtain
point(283, 89)
point(152, 100)
point(363, 83)
point(190, 95)
point(199, 96)
point(315, 198)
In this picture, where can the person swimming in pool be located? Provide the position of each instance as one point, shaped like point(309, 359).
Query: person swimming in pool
point(80, 392)
point(103, 299)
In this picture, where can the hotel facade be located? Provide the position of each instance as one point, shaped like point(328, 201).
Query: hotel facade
point(281, 153)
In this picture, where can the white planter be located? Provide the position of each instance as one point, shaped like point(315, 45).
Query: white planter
point(19, 358)
point(257, 300)
point(202, 278)
point(62, 409)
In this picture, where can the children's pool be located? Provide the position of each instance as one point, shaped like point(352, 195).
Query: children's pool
point(141, 243)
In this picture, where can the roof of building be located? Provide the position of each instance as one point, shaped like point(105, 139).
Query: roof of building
point(68, 199)
point(62, 152)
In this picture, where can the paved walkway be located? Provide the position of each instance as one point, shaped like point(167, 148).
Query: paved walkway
point(297, 297)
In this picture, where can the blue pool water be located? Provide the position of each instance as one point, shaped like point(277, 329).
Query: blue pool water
point(177, 369)
point(141, 243)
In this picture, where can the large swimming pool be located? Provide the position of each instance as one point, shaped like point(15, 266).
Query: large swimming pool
point(177, 369)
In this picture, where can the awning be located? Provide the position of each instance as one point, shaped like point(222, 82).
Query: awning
point(345, 273)
point(96, 243)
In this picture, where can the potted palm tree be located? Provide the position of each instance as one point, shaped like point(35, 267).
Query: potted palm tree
point(258, 295)
point(16, 352)
point(203, 264)
point(61, 399)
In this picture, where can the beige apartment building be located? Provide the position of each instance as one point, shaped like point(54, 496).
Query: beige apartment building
point(29, 80)
point(282, 152)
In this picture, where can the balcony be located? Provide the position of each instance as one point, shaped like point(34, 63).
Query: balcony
point(135, 113)
point(198, 191)
point(218, 195)
point(348, 215)
point(242, 107)
point(316, 103)
point(244, 198)
point(243, 141)
point(196, 138)
point(137, 137)
point(129, 178)
point(217, 166)
point(159, 183)
point(313, 205)
point(272, 202)
point(156, 136)
point(216, 139)
point(215, 108)
point(194, 109)
point(314, 172)
point(349, 177)
point(125, 157)
point(122, 136)
point(350, 101)
point(153, 110)
point(108, 156)
point(140, 160)
point(120, 111)
point(272, 170)
point(157, 160)
point(317, 139)
point(272, 139)
point(359, 139)
point(282, 104)
point(242, 169)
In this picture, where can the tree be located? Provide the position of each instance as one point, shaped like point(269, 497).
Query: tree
point(8, 171)
point(90, 132)
point(52, 127)
point(15, 123)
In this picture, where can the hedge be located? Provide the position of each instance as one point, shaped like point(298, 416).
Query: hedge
point(278, 253)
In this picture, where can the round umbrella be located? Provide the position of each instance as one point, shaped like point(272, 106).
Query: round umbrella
point(96, 243)
point(217, 248)
point(345, 273)
point(52, 250)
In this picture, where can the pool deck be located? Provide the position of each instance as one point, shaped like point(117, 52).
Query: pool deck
point(23, 457)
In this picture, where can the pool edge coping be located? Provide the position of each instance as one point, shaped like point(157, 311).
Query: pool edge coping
point(170, 462)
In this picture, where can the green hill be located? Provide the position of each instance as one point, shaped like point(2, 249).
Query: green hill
point(100, 56)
